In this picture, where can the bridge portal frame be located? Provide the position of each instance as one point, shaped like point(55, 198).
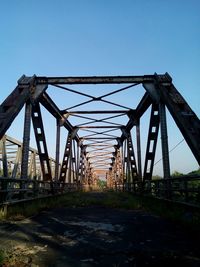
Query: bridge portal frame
point(160, 93)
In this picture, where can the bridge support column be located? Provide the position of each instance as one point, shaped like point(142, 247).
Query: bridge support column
point(77, 163)
point(165, 149)
point(69, 171)
point(139, 151)
point(26, 140)
point(57, 150)
point(4, 157)
point(164, 141)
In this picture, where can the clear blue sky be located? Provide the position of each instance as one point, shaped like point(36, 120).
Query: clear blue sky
point(103, 37)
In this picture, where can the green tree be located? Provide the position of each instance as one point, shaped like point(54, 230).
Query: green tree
point(196, 172)
point(176, 174)
point(101, 184)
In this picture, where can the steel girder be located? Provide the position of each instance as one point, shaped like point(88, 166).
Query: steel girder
point(160, 93)
point(98, 79)
point(11, 157)
point(185, 118)
point(131, 161)
point(68, 167)
point(12, 105)
point(151, 142)
point(41, 142)
point(116, 174)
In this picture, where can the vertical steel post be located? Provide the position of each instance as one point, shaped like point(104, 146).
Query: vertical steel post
point(4, 184)
point(77, 162)
point(164, 141)
point(139, 151)
point(154, 125)
point(57, 150)
point(74, 162)
point(41, 142)
point(17, 161)
point(4, 157)
point(26, 140)
point(70, 166)
point(123, 165)
point(34, 166)
point(30, 168)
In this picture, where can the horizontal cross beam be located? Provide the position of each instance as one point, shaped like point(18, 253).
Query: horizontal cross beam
point(98, 112)
point(99, 127)
point(98, 79)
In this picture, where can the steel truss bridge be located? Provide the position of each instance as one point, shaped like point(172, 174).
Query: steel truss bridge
point(98, 142)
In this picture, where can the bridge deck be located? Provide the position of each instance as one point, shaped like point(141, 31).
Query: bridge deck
point(99, 236)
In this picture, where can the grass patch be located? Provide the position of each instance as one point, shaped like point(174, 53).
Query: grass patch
point(14, 258)
point(2, 257)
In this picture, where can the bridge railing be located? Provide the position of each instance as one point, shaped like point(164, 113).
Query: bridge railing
point(15, 189)
point(185, 189)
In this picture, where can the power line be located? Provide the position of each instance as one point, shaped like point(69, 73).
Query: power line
point(177, 145)
point(170, 150)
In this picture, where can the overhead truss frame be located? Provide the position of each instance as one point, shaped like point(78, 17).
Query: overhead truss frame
point(103, 146)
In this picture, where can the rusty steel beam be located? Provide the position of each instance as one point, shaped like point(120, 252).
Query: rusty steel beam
point(41, 142)
point(164, 141)
point(57, 149)
point(66, 163)
point(48, 103)
point(159, 92)
point(12, 150)
point(12, 105)
point(185, 118)
point(26, 140)
point(99, 138)
point(97, 79)
point(98, 112)
point(135, 115)
point(151, 142)
point(17, 162)
point(10, 108)
point(4, 156)
point(139, 157)
point(131, 161)
point(100, 127)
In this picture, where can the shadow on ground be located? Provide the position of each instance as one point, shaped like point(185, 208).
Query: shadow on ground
point(97, 236)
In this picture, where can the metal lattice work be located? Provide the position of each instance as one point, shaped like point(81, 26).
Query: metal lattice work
point(98, 141)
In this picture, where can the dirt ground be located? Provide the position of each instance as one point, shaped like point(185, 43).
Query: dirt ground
point(97, 236)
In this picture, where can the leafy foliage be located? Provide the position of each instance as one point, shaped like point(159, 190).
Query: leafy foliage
point(196, 172)
point(176, 174)
point(101, 184)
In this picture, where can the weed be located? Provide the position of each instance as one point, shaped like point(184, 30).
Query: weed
point(2, 257)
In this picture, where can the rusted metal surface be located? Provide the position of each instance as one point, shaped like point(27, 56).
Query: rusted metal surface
point(26, 140)
point(100, 139)
point(164, 141)
point(151, 142)
point(41, 142)
point(97, 80)
point(11, 159)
